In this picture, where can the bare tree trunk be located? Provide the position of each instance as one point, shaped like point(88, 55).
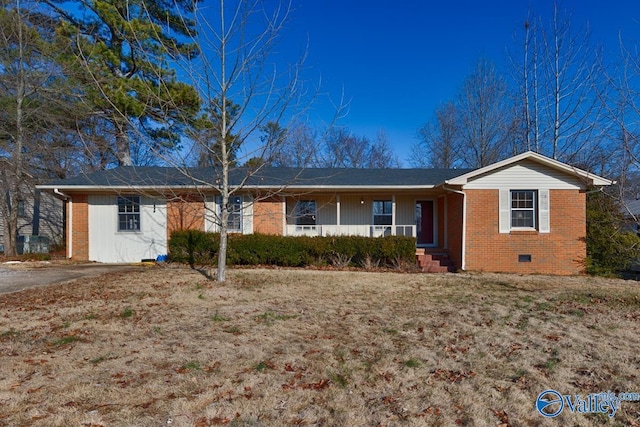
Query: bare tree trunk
point(123, 148)
point(16, 174)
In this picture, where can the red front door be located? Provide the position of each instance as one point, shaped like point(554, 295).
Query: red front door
point(424, 222)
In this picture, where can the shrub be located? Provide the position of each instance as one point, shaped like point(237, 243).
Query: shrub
point(196, 247)
point(193, 247)
point(610, 247)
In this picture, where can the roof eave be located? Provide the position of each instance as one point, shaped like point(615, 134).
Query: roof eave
point(77, 188)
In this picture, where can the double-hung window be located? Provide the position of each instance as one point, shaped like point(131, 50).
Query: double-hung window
point(128, 213)
point(382, 211)
point(306, 212)
point(523, 208)
point(234, 208)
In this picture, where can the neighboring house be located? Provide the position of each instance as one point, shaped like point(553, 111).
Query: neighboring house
point(525, 214)
point(631, 215)
point(39, 214)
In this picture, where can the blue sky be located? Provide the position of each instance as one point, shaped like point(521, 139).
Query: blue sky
point(398, 60)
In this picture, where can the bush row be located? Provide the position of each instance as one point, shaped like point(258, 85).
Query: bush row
point(198, 248)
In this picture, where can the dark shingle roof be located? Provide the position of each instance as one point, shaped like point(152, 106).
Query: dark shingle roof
point(156, 176)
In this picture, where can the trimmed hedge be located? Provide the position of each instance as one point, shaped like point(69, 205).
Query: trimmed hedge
point(198, 248)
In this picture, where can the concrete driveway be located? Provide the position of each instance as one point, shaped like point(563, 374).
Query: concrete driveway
point(16, 278)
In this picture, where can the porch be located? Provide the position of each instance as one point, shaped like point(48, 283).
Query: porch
point(422, 216)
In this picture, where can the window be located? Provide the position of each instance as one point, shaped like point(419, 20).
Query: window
point(306, 212)
point(128, 213)
point(234, 207)
point(22, 208)
point(523, 209)
point(382, 212)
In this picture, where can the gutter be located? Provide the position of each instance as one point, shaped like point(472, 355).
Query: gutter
point(69, 220)
point(464, 223)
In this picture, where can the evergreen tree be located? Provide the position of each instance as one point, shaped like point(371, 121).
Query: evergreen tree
point(124, 48)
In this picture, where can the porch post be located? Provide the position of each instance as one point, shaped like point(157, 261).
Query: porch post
point(393, 214)
point(284, 215)
point(338, 211)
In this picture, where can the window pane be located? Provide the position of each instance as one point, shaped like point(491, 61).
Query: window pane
point(523, 209)
point(306, 212)
point(382, 212)
point(128, 213)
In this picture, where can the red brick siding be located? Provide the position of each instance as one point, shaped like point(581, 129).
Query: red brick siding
point(79, 233)
point(185, 213)
point(267, 216)
point(562, 251)
point(454, 227)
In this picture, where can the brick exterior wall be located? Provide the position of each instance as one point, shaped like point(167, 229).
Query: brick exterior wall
point(562, 251)
point(185, 213)
point(439, 216)
point(79, 229)
point(268, 216)
point(454, 227)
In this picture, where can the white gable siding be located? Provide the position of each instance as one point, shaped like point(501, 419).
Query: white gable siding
point(525, 175)
point(106, 244)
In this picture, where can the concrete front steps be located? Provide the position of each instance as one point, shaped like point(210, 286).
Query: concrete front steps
point(434, 261)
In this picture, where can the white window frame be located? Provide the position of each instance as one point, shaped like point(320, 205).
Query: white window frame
point(515, 209)
point(131, 213)
point(383, 214)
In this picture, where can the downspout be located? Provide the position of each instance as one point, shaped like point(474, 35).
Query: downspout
point(464, 223)
point(70, 221)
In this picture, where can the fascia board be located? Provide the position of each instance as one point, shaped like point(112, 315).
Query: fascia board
point(85, 188)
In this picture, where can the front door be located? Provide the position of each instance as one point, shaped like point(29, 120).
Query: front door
point(425, 222)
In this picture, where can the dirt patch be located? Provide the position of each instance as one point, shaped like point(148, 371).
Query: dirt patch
point(165, 346)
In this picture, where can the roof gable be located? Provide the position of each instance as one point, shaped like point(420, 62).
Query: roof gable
point(587, 178)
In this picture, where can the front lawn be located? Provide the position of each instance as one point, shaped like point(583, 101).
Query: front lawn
point(302, 347)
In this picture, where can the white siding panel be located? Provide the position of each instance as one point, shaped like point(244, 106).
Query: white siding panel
point(247, 214)
point(353, 212)
point(106, 244)
point(405, 210)
point(526, 175)
point(505, 210)
point(543, 211)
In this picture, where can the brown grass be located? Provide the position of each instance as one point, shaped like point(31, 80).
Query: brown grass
point(299, 347)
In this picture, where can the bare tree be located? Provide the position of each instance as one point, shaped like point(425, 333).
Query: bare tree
point(438, 140)
point(344, 149)
point(299, 148)
point(244, 87)
point(558, 77)
point(35, 106)
point(485, 117)
point(381, 156)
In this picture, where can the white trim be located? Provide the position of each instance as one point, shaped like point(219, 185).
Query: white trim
point(592, 179)
point(70, 230)
point(393, 214)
